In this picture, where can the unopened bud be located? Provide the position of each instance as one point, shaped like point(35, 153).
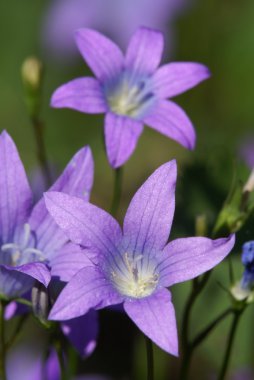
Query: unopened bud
point(40, 302)
point(31, 72)
point(249, 185)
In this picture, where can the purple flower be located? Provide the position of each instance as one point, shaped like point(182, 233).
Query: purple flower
point(131, 90)
point(31, 243)
point(117, 18)
point(246, 151)
point(133, 267)
point(24, 364)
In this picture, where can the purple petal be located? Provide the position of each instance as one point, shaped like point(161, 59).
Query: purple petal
point(149, 217)
point(84, 223)
point(38, 271)
point(188, 258)
point(68, 261)
point(87, 289)
point(103, 57)
point(77, 179)
point(144, 51)
point(170, 120)
point(82, 94)
point(155, 317)
point(13, 283)
point(82, 332)
point(15, 193)
point(175, 78)
point(121, 136)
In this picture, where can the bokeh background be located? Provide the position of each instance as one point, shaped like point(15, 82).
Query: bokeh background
point(218, 33)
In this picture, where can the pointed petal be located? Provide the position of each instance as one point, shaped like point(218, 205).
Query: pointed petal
point(149, 216)
point(177, 77)
point(84, 342)
point(87, 289)
point(144, 51)
point(101, 54)
point(15, 193)
point(190, 257)
point(66, 262)
point(82, 94)
point(121, 136)
point(84, 223)
point(76, 179)
point(155, 317)
point(170, 120)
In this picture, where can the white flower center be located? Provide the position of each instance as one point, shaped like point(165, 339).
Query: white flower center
point(129, 98)
point(134, 277)
point(23, 250)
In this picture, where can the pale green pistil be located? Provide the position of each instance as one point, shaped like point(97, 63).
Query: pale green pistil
point(134, 281)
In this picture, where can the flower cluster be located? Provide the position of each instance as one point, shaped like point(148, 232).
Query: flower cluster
point(75, 257)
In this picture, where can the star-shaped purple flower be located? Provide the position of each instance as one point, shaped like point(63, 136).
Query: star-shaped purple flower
point(32, 246)
point(133, 267)
point(30, 240)
point(131, 90)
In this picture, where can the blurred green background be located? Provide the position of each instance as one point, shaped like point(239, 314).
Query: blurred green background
point(218, 33)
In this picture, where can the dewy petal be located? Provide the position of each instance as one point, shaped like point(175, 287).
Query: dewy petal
point(82, 332)
point(170, 120)
point(82, 94)
point(177, 77)
point(144, 51)
point(187, 258)
point(87, 289)
point(121, 136)
point(15, 193)
point(149, 216)
point(84, 223)
point(155, 317)
point(101, 54)
point(76, 179)
point(66, 262)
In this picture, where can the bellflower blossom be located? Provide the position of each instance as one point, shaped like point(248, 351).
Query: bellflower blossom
point(118, 19)
point(131, 90)
point(32, 244)
point(133, 267)
point(30, 240)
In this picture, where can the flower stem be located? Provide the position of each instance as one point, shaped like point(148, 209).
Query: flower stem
point(16, 332)
point(232, 333)
point(60, 357)
point(204, 333)
point(38, 128)
point(149, 356)
point(117, 190)
point(2, 343)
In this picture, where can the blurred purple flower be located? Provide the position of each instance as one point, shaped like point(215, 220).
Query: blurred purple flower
point(134, 267)
point(118, 19)
point(23, 364)
point(246, 151)
point(131, 90)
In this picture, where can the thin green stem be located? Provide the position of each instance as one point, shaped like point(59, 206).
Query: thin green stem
point(206, 331)
point(16, 332)
point(60, 357)
point(38, 128)
point(149, 358)
point(2, 343)
point(230, 342)
point(117, 190)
